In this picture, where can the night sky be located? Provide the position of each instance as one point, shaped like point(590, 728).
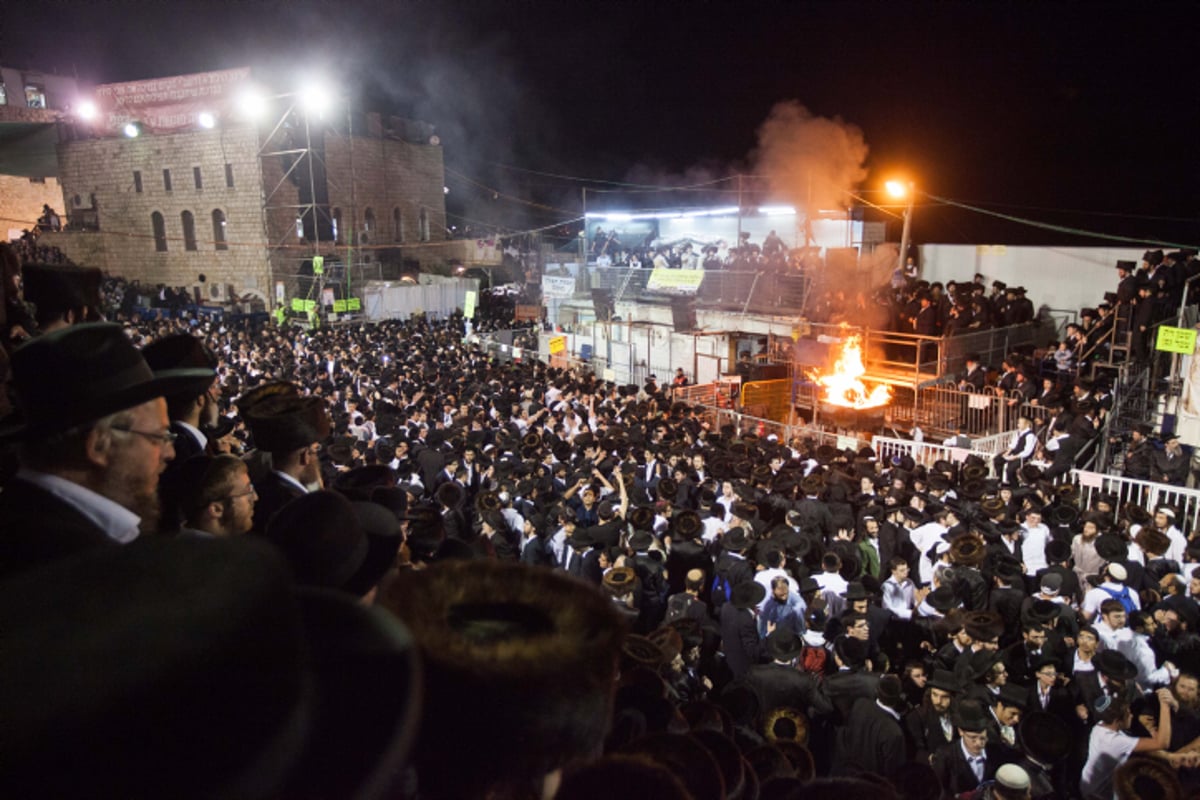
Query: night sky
point(1081, 115)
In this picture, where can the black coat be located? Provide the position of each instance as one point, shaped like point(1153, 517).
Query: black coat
point(778, 685)
point(739, 639)
point(872, 740)
point(37, 528)
point(925, 734)
point(956, 775)
point(845, 686)
point(273, 494)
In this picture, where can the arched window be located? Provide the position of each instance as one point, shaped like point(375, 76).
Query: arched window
point(369, 226)
point(337, 226)
point(424, 225)
point(397, 225)
point(160, 232)
point(218, 217)
point(189, 230)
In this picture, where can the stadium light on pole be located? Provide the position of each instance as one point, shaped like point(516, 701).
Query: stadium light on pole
point(903, 190)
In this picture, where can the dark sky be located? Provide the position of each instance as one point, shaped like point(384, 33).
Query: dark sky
point(1083, 115)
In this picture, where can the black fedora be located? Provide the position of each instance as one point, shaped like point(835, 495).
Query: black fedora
point(945, 680)
point(747, 594)
point(784, 645)
point(82, 373)
point(204, 672)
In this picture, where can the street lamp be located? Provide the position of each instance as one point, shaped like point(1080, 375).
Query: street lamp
point(903, 190)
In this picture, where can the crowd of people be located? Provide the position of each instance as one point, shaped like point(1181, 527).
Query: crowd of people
point(607, 249)
point(373, 560)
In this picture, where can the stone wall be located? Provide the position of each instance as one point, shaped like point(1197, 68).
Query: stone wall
point(126, 178)
point(21, 201)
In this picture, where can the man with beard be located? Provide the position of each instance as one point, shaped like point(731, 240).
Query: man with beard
point(1186, 727)
point(215, 496)
point(93, 432)
point(929, 726)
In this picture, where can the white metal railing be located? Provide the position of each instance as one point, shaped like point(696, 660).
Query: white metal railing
point(1149, 495)
point(925, 453)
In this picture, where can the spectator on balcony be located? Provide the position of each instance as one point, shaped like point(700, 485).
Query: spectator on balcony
point(1171, 463)
point(1139, 460)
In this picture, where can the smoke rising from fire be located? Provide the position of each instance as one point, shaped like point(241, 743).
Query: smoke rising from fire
point(810, 159)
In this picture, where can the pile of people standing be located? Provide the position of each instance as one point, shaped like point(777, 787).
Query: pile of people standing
point(376, 561)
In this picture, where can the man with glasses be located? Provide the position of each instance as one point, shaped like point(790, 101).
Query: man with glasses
point(216, 496)
point(92, 429)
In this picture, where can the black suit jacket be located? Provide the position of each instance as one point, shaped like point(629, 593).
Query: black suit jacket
point(925, 734)
point(169, 491)
point(739, 639)
point(844, 687)
point(871, 741)
point(273, 494)
point(779, 685)
point(37, 528)
point(955, 773)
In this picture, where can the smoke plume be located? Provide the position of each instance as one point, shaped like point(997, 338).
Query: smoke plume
point(807, 158)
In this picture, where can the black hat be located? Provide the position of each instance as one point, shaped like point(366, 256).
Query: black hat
point(735, 539)
point(204, 672)
point(1143, 776)
point(179, 351)
point(509, 647)
point(1111, 547)
point(855, 591)
point(82, 373)
point(890, 693)
point(1013, 696)
point(323, 537)
point(282, 423)
point(970, 716)
point(1044, 736)
point(944, 679)
point(784, 645)
point(747, 594)
point(686, 524)
point(941, 599)
point(54, 288)
point(1115, 666)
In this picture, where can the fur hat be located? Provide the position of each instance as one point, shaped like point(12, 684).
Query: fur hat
point(282, 423)
point(1142, 776)
point(509, 648)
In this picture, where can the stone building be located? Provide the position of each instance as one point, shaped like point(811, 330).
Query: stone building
point(172, 182)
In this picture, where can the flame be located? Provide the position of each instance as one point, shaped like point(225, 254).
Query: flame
point(844, 387)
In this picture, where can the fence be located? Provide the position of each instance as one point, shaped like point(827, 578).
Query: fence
point(923, 452)
point(769, 399)
point(1150, 496)
point(509, 345)
point(747, 423)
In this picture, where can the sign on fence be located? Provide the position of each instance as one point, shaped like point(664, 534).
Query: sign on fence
point(558, 344)
point(1176, 340)
point(676, 281)
point(558, 286)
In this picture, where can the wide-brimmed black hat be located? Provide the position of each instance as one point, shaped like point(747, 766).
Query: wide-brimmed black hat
point(1111, 547)
point(54, 288)
point(735, 539)
point(784, 645)
point(856, 591)
point(1115, 666)
point(686, 524)
point(334, 543)
point(283, 422)
point(511, 649)
point(970, 716)
point(944, 679)
point(82, 373)
point(748, 594)
point(1045, 737)
point(179, 351)
point(191, 668)
point(971, 666)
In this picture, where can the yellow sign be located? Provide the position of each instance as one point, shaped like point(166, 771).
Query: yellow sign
point(558, 344)
point(469, 306)
point(353, 304)
point(675, 280)
point(339, 306)
point(1176, 340)
point(318, 265)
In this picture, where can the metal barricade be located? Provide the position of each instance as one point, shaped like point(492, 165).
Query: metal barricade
point(768, 399)
point(1148, 495)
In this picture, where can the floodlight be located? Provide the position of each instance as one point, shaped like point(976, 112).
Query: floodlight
point(251, 103)
point(315, 98)
point(87, 111)
point(132, 130)
point(896, 189)
point(206, 119)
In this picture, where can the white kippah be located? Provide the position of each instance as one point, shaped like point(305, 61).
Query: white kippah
point(1010, 776)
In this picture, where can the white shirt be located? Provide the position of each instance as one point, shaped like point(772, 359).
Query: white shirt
point(1178, 544)
point(1110, 639)
point(1033, 549)
point(1094, 597)
point(976, 763)
point(118, 523)
point(898, 598)
point(1107, 750)
point(924, 538)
